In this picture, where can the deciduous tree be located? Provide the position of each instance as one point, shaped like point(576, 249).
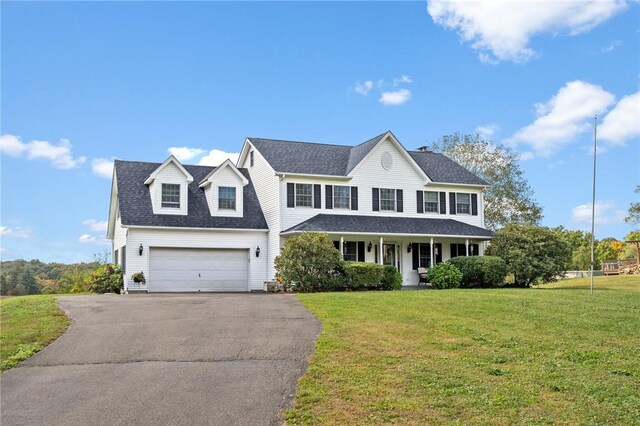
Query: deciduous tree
point(510, 198)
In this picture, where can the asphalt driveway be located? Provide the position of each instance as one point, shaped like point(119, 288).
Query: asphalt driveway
point(222, 359)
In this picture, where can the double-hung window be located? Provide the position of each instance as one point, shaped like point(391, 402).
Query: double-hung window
point(341, 197)
point(171, 195)
point(226, 198)
point(463, 203)
point(304, 195)
point(424, 255)
point(350, 251)
point(387, 199)
point(431, 202)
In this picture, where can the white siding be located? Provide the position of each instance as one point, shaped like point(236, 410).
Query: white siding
point(371, 174)
point(267, 185)
point(169, 174)
point(150, 237)
point(227, 178)
point(119, 235)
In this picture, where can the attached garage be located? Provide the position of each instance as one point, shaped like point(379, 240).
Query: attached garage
point(192, 269)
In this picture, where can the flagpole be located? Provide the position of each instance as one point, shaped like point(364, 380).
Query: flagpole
point(593, 196)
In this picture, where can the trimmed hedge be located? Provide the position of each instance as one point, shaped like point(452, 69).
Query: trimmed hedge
point(480, 271)
point(370, 276)
point(444, 275)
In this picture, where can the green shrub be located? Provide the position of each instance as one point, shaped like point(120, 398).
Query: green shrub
point(362, 276)
point(107, 279)
point(480, 271)
point(309, 262)
point(444, 275)
point(533, 254)
point(391, 278)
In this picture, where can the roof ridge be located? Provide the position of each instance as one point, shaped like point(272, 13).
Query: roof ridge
point(303, 142)
point(375, 137)
point(160, 163)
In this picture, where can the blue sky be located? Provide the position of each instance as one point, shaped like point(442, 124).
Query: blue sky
point(83, 83)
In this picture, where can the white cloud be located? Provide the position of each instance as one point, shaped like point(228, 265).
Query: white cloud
point(184, 153)
point(488, 130)
point(566, 115)
point(59, 155)
point(622, 123)
point(19, 233)
point(397, 97)
point(4, 250)
point(95, 225)
point(215, 157)
point(93, 240)
point(501, 30)
point(363, 88)
point(606, 213)
point(611, 46)
point(12, 145)
point(102, 167)
point(402, 80)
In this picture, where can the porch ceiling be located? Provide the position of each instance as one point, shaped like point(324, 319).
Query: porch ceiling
point(381, 225)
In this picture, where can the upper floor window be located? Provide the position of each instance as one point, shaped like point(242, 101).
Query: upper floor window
point(463, 203)
point(341, 197)
point(226, 198)
point(431, 201)
point(304, 195)
point(171, 195)
point(251, 158)
point(387, 199)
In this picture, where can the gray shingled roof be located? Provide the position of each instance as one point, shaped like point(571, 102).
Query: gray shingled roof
point(441, 168)
point(136, 209)
point(335, 223)
point(340, 160)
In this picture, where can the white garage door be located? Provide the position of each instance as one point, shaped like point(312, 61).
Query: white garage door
point(179, 269)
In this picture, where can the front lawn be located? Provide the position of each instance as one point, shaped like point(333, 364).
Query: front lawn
point(28, 324)
point(554, 354)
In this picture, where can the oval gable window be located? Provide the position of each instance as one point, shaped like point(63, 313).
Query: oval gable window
point(386, 160)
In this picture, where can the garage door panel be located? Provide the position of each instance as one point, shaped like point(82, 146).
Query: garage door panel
point(173, 269)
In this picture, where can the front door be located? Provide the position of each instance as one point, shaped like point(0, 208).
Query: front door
point(389, 255)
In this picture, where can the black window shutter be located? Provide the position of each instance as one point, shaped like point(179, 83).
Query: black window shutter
point(376, 200)
point(360, 251)
point(317, 197)
point(454, 250)
point(336, 244)
point(452, 203)
point(291, 195)
point(354, 198)
point(328, 196)
point(474, 204)
point(399, 205)
point(438, 248)
point(474, 250)
point(443, 203)
point(376, 253)
point(415, 252)
point(420, 201)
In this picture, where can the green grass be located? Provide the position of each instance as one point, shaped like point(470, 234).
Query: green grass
point(549, 355)
point(28, 324)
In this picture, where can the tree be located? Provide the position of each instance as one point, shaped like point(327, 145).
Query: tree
point(309, 261)
point(509, 199)
point(608, 249)
point(633, 216)
point(533, 254)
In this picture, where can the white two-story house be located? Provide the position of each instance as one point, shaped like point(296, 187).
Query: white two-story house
point(195, 228)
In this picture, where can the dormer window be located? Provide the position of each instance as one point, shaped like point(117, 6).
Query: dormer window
point(226, 198)
point(171, 195)
point(251, 159)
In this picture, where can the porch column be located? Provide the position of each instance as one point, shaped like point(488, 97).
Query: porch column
point(433, 259)
point(341, 247)
point(380, 262)
point(466, 243)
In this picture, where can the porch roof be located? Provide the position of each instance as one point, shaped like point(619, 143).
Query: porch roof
point(381, 225)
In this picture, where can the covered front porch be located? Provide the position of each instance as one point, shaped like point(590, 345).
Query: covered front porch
point(425, 243)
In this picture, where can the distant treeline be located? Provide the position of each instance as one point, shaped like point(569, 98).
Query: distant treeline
point(20, 277)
